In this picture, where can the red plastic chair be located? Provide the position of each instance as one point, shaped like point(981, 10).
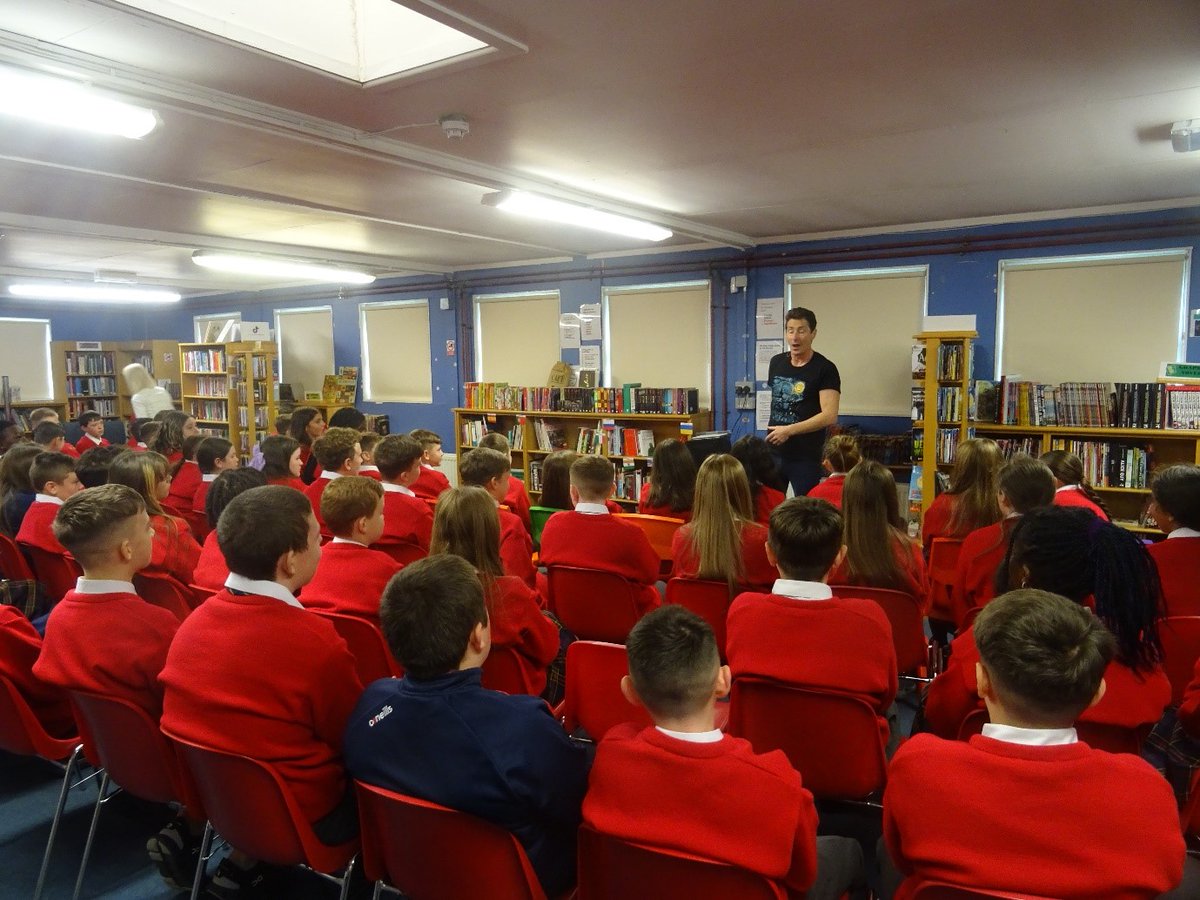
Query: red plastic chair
point(13, 563)
point(251, 807)
point(940, 568)
point(1180, 636)
point(972, 724)
point(908, 628)
point(56, 571)
point(198, 523)
point(593, 699)
point(938, 891)
point(659, 530)
point(613, 869)
point(595, 605)
point(23, 735)
point(198, 594)
point(708, 599)
point(372, 657)
point(502, 671)
point(402, 553)
point(405, 843)
point(833, 740)
point(161, 590)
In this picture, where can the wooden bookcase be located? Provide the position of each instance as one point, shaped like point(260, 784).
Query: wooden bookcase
point(527, 458)
point(22, 408)
point(230, 389)
point(88, 374)
point(942, 417)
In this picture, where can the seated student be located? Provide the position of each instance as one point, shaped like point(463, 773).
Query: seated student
point(53, 478)
point(16, 490)
point(970, 502)
point(92, 424)
point(879, 552)
point(1071, 487)
point(175, 549)
point(437, 734)
point(281, 461)
point(840, 455)
point(213, 456)
point(466, 525)
point(46, 414)
point(489, 470)
point(252, 672)
point(1023, 484)
point(349, 417)
point(338, 453)
point(766, 485)
point(50, 437)
point(367, 442)
point(672, 482)
point(92, 465)
point(211, 569)
point(517, 498)
point(1175, 505)
point(350, 577)
point(1071, 552)
point(432, 482)
point(589, 537)
point(723, 542)
point(10, 435)
point(307, 424)
point(1046, 813)
point(682, 785)
point(175, 427)
point(20, 645)
point(283, 423)
point(406, 518)
point(800, 633)
point(185, 474)
point(556, 480)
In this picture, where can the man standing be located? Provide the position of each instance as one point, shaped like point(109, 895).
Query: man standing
point(805, 393)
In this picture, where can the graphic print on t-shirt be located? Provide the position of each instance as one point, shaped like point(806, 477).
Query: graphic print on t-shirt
point(786, 393)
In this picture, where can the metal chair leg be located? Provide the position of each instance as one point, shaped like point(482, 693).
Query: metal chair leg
point(87, 847)
point(72, 762)
point(378, 890)
point(344, 894)
point(205, 847)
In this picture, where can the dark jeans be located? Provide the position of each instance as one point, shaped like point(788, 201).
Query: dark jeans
point(801, 474)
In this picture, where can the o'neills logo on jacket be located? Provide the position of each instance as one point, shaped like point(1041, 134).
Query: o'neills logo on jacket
point(379, 717)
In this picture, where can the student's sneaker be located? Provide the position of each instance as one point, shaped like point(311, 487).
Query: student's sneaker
point(230, 882)
point(176, 854)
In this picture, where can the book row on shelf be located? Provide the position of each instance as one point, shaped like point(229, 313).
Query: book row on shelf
point(630, 478)
point(260, 417)
point(89, 362)
point(948, 440)
point(209, 410)
point(1150, 405)
point(629, 398)
point(261, 367)
point(954, 361)
point(87, 387)
point(1109, 463)
point(473, 431)
point(211, 386)
point(606, 439)
point(106, 407)
point(950, 402)
point(258, 391)
point(207, 360)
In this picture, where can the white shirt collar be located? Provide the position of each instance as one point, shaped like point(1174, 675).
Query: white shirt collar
point(368, 468)
point(101, 586)
point(428, 466)
point(263, 588)
point(1030, 737)
point(591, 509)
point(342, 540)
point(1177, 533)
point(47, 498)
point(95, 440)
point(329, 476)
point(210, 477)
point(1067, 487)
point(801, 590)
point(390, 488)
point(693, 737)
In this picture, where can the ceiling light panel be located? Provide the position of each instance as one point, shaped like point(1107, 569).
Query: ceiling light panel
point(92, 293)
point(274, 267)
point(70, 104)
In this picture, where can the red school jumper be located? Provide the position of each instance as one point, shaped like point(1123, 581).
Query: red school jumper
point(253, 675)
point(1178, 562)
point(87, 442)
point(407, 519)
point(289, 481)
point(644, 508)
point(982, 553)
point(606, 543)
point(350, 579)
point(430, 483)
point(517, 500)
point(517, 621)
point(175, 552)
point(830, 489)
point(759, 573)
point(765, 501)
point(183, 487)
point(654, 789)
point(1060, 821)
point(516, 548)
point(370, 472)
point(211, 569)
point(20, 645)
point(1073, 495)
point(313, 492)
point(37, 528)
point(113, 644)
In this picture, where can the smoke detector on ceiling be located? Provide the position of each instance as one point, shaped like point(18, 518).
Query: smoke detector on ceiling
point(455, 126)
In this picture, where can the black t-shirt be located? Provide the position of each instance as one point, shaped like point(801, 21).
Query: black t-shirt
point(796, 396)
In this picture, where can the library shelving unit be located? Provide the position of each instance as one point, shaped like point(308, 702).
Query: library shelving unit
point(161, 359)
point(22, 408)
point(533, 434)
point(230, 389)
point(88, 374)
point(941, 402)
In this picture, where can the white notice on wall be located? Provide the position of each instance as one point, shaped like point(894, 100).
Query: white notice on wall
point(590, 322)
point(762, 410)
point(763, 351)
point(568, 331)
point(589, 358)
point(768, 318)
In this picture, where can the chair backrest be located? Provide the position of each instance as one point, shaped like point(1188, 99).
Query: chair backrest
point(538, 516)
point(160, 589)
point(1113, 738)
point(121, 738)
point(833, 740)
point(56, 571)
point(21, 732)
point(402, 552)
point(939, 891)
point(502, 671)
point(708, 599)
point(613, 869)
point(251, 807)
point(197, 522)
point(1180, 636)
point(595, 605)
point(406, 841)
point(972, 724)
point(659, 530)
point(943, 560)
point(372, 657)
point(13, 563)
point(198, 594)
point(593, 699)
point(907, 621)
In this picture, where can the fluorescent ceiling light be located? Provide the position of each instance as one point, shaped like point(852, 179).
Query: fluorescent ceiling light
point(70, 104)
point(536, 207)
point(273, 267)
point(43, 291)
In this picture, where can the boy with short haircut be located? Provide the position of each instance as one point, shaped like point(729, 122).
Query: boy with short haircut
point(1081, 822)
point(92, 424)
point(489, 470)
point(46, 414)
point(54, 479)
point(438, 734)
point(684, 786)
point(432, 482)
point(367, 442)
point(339, 454)
point(407, 519)
point(590, 537)
point(517, 498)
point(50, 436)
point(252, 672)
point(800, 633)
point(1175, 505)
point(350, 577)
point(93, 465)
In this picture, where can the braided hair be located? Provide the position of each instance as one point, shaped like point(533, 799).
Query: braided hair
point(1068, 468)
point(1069, 551)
